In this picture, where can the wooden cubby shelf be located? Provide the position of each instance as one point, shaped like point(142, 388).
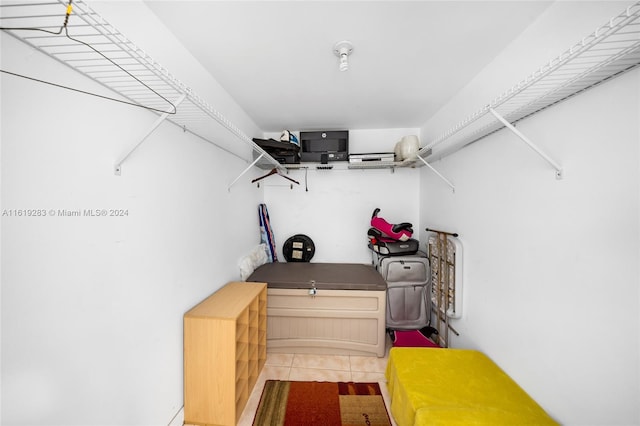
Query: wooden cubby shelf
point(224, 352)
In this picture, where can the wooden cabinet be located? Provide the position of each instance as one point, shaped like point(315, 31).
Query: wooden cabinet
point(225, 349)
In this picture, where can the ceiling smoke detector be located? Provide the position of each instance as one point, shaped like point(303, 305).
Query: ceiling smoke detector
point(342, 50)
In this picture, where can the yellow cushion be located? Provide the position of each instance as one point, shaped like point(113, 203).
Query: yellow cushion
point(431, 386)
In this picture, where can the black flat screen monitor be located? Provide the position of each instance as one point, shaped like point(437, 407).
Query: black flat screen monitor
point(324, 146)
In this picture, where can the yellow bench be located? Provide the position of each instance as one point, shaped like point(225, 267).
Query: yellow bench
point(431, 386)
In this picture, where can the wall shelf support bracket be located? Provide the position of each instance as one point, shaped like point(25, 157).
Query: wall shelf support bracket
point(118, 166)
point(531, 145)
point(245, 170)
point(453, 188)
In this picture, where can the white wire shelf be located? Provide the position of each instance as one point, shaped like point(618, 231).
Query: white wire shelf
point(606, 53)
point(609, 51)
point(193, 114)
point(346, 165)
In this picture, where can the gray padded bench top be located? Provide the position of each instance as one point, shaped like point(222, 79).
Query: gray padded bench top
point(327, 276)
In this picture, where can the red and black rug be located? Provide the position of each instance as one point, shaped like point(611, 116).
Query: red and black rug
point(286, 403)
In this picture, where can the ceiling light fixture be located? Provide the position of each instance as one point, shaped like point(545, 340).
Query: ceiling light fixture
point(342, 50)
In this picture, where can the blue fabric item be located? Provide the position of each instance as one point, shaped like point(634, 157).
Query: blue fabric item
point(266, 234)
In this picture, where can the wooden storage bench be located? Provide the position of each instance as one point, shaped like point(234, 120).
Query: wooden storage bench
point(324, 308)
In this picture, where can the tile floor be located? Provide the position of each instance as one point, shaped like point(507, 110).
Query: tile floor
point(334, 368)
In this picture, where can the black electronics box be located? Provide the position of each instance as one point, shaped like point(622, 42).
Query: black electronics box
point(282, 152)
point(324, 146)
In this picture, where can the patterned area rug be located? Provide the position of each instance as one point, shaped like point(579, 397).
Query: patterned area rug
point(321, 403)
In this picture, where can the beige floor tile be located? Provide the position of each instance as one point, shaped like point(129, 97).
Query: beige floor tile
point(361, 376)
point(319, 375)
point(326, 362)
point(274, 372)
point(279, 359)
point(368, 363)
point(301, 371)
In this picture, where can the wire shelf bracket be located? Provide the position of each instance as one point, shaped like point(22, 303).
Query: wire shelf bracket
point(159, 121)
point(245, 171)
point(530, 144)
point(453, 188)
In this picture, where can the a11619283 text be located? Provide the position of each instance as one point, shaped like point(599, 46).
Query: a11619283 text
point(65, 212)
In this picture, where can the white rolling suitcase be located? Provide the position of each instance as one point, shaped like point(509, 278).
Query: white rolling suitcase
point(408, 290)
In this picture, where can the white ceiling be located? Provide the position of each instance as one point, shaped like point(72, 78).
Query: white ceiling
point(276, 58)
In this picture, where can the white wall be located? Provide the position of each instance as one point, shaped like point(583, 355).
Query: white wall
point(551, 280)
point(336, 210)
point(92, 306)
